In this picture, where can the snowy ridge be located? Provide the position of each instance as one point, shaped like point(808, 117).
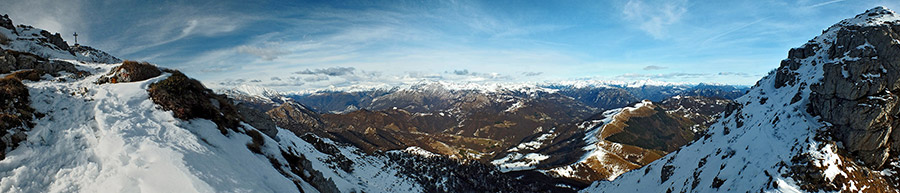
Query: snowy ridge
point(484, 87)
point(113, 138)
point(618, 83)
point(417, 151)
point(260, 94)
point(748, 149)
point(876, 16)
point(597, 149)
point(33, 40)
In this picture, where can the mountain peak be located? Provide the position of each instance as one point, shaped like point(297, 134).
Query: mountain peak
point(876, 16)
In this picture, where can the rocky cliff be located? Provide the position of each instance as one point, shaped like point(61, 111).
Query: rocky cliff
point(822, 121)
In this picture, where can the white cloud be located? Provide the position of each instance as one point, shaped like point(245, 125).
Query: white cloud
point(656, 16)
point(265, 53)
point(654, 67)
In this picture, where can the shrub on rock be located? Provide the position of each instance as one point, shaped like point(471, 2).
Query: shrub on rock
point(130, 71)
point(32, 75)
point(188, 99)
point(15, 113)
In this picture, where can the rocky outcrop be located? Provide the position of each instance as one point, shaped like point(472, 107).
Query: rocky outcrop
point(7, 23)
point(55, 39)
point(130, 71)
point(296, 118)
point(858, 91)
point(94, 55)
point(188, 99)
point(13, 60)
point(258, 120)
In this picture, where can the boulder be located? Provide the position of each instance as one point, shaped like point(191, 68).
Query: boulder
point(7, 62)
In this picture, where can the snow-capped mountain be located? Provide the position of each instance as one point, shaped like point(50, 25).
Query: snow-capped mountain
point(822, 121)
point(595, 94)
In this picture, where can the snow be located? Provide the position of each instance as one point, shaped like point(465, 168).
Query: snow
point(370, 173)
point(872, 17)
point(419, 151)
point(518, 161)
point(865, 45)
point(514, 107)
point(535, 144)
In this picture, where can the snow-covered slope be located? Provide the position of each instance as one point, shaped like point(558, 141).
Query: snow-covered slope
point(42, 43)
point(90, 136)
point(772, 143)
point(113, 138)
point(606, 159)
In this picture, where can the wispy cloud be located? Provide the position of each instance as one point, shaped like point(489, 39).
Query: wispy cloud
point(825, 3)
point(685, 76)
point(655, 16)
point(729, 31)
point(333, 71)
point(168, 29)
point(265, 53)
point(654, 67)
point(532, 73)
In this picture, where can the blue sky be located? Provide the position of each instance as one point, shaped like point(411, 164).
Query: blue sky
point(301, 45)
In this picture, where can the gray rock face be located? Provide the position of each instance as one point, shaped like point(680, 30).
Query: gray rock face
point(12, 61)
point(858, 93)
point(56, 40)
point(258, 120)
point(7, 23)
point(296, 118)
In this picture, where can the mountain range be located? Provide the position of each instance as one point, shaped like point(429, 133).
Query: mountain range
point(77, 119)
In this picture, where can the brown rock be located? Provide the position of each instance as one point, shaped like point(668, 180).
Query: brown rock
point(131, 71)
